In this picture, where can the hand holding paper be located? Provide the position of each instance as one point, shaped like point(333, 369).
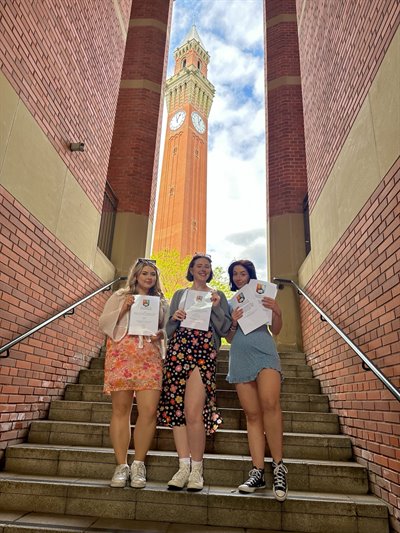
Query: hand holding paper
point(250, 299)
point(198, 310)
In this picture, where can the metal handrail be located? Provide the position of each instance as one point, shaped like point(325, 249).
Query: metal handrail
point(366, 362)
point(68, 311)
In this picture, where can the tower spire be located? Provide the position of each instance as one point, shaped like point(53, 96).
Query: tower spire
point(193, 34)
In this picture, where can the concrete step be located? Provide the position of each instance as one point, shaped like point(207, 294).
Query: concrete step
point(219, 506)
point(296, 445)
point(226, 398)
point(223, 470)
point(234, 418)
point(290, 369)
point(285, 357)
point(21, 522)
point(290, 383)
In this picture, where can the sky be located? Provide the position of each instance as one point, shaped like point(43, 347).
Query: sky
point(232, 33)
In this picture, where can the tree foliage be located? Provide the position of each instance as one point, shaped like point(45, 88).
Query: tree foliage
point(220, 281)
point(173, 270)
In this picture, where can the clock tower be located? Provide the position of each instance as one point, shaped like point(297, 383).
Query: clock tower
point(182, 201)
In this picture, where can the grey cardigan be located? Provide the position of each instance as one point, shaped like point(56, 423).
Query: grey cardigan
point(220, 317)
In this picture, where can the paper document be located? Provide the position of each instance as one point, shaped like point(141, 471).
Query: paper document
point(249, 299)
point(198, 310)
point(143, 316)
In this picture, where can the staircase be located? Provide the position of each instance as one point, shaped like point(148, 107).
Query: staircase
point(59, 479)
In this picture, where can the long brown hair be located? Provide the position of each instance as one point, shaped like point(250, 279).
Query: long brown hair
point(246, 264)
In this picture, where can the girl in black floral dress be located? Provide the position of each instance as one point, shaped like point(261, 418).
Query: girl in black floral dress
point(188, 402)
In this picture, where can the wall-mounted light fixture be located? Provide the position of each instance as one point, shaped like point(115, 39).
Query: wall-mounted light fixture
point(77, 147)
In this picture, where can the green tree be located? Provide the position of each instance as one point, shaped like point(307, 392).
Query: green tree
point(220, 281)
point(173, 270)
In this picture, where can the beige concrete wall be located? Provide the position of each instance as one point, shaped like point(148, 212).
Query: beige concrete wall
point(370, 150)
point(286, 252)
point(33, 172)
point(130, 240)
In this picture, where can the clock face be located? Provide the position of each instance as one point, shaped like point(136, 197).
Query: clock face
point(198, 122)
point(177, 120)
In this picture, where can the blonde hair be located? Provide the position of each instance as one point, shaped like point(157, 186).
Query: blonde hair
point(134, 272)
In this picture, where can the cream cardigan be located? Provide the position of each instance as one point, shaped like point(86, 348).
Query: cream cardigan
point(108, 321)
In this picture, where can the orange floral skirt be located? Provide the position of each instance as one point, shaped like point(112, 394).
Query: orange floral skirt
point(129, 367)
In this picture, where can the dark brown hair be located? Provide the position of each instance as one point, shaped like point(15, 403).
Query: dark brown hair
point(189, 275)
point(245, 263)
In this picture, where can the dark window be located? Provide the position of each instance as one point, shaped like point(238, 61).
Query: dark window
point(107, 221)
point(306, 220)
point(184, 63)
point(198, 65)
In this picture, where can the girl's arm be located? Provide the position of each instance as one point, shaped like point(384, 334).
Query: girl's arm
point(220, 316)
point(176, 315)
point(277, 323)
point(236, 315)
point(114, 318)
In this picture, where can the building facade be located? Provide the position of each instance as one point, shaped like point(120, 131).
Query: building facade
point(75, 71)
point(70, 72)
point(182, 202)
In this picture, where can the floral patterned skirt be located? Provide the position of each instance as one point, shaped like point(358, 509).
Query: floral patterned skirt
point(129, 367)
point(188, 349)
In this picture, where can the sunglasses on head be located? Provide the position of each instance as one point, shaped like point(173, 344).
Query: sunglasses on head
point(201, 254)
point(145, 260)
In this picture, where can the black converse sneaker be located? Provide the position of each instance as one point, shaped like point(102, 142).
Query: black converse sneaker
point(280, 485)
point(255, 481)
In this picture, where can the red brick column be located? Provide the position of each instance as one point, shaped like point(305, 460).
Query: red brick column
point(135, 140)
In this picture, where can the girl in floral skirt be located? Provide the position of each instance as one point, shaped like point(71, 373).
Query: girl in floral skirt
point(188, 402)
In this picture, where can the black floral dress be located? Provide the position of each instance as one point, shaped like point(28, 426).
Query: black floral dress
point(188, 349)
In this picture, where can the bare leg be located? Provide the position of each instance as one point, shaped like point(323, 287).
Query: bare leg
point(120, 425)
point(147, 402)
point(181, 441)
point(195, 396)
point(269, 390)
point(249, 400)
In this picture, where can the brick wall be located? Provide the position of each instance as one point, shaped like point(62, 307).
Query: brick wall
point(341, 48)
point(136, 124)
point(359, 287)
point(63, 59)
point(39, 277)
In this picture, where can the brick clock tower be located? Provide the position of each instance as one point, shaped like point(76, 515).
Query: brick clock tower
point(181, 212)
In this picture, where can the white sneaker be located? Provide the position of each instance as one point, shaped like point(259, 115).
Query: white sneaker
point(179, 480)
point(120, 477)
point(196, 481)
point(138, 475)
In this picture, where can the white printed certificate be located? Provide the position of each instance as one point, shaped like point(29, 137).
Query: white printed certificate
point(249, 299)
point(143, 316)
point(198, 310)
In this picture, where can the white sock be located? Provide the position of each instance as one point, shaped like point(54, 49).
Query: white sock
point(138, 462)
point(197, 463)
point(184, 461)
